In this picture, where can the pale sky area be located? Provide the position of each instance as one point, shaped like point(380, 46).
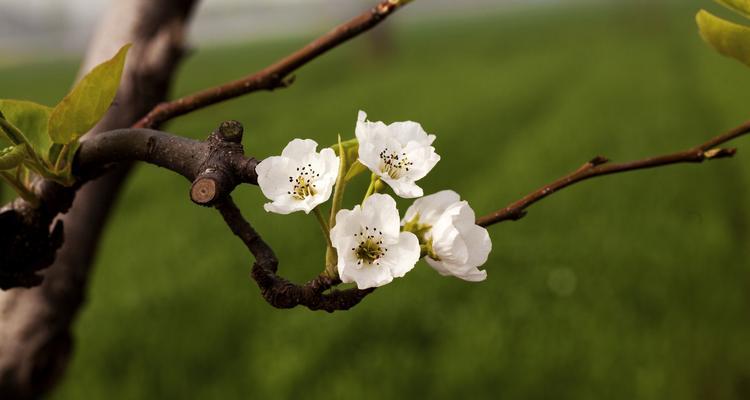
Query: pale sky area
point(29, 28)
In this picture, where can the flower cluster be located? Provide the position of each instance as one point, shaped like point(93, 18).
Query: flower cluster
point(370, 244)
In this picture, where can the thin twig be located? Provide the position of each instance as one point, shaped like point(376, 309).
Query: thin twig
point(600, 166)
point(276, 75)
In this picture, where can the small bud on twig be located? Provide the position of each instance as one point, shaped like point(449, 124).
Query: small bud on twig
point(231, 131)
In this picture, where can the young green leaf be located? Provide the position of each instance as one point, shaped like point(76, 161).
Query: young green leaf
point(30, 119)
point(86, 104)
point(11, 157)
point(352, 167)
point(740, 6)
point(728, 38)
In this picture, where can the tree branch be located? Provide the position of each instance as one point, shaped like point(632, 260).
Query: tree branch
point(36, 337)
point(216, 166)
point(276, 75)
point(600, 166)
point(279, 292)
point(114, 146)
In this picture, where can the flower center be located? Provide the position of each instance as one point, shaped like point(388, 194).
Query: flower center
point(370, 249)
point(393, 163)
point(303, 184)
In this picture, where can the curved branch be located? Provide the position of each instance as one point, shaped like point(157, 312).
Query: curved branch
point(279, 292)
point(215, 166)
point(276, 75)
point(600, 166)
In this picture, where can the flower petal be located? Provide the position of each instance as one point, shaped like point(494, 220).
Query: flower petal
point(409, 131)
point(273, 176)
point(402, 256)
point(347, 224)
point(429, 208)
point(366, 277)
point(397, 140)
point(298, 164)
point(298, 149)
point(379, 211)
point(403, 188)
point(460, 244)
point(447, 269)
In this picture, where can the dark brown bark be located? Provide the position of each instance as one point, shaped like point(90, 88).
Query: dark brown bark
point(35, 332)
point(277, 291)
point(276, 75)
point(21, 268)
point(600, 166)
point(35, 336)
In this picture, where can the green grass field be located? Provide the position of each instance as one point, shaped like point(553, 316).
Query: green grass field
point(634, 286)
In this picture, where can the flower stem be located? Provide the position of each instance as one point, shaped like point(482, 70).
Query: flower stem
point(331, 256)
point(371, 189)
point(338, 191)
point(323, 224)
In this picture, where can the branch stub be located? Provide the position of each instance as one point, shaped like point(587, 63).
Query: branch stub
point(231, 131)
point(204, 191)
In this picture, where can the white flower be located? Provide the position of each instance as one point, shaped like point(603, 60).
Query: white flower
point(371, 249)
point(299, 179)
point(459, 246)
point(399, 153)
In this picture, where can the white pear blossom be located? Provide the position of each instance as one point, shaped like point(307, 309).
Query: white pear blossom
point(371, 249)
point(455, 244)
point(399, 153)
point(299, 179)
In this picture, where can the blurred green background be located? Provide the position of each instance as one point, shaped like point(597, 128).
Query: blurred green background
point(632, 286)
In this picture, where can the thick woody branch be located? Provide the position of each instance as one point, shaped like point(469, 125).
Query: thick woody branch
point(216, 166)
point(600, 166)
point(276, 75)
point(211, 180)
point(187, 157)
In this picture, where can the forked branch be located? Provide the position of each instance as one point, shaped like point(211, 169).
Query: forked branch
point(20, 268)
point(217, 165)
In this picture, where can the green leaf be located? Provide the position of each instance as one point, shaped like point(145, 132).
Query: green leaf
point(740, 6)
point(86, 104)
point(728, 38)
point(31, 120)
point(352, 167)
point(355, 169)
point(11, 157)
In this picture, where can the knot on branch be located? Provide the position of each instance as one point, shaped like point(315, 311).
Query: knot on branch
point(717, 153)
point(224, 167)
point(26, 246)
point(281, 293)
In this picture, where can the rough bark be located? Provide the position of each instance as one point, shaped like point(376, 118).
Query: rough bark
point(35, 324)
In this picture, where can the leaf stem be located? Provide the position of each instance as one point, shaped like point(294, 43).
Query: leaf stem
point(20, 188)
point(61, 157)
point(14, 135)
